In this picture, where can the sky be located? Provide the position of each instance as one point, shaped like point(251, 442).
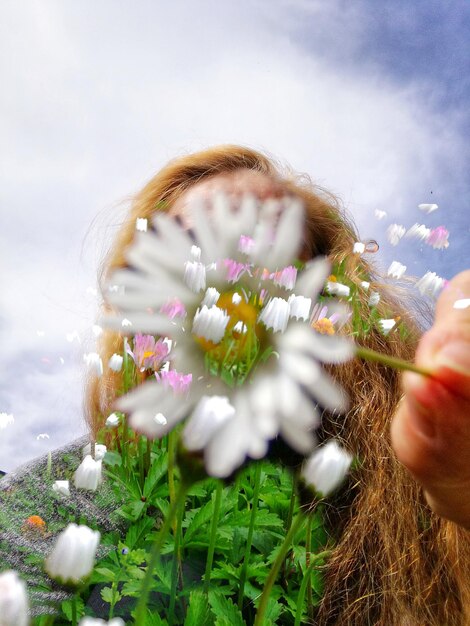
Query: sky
point(370, 98)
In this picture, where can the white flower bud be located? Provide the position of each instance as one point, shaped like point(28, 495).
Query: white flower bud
point(94, 363)
point(73, 555)
point(88, 474)
point(210, 323)
point(62, 487)
point(396, 269)
point(326, 468)
point(337, 289)
point(96, 621)
point(100, 451)
point(299, 307)
point(115, 362)
point(111, 422)
point(211, 297)
point(13, 600)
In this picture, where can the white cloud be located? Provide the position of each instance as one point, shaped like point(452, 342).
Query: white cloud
point(99, 95)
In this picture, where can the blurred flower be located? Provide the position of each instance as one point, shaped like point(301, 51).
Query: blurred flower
point(96, 330)
point(96, 621)
point(337, 289)
point(227, 339)
point(419, 232)
point(365, 285)
point(275, 314)
point(72, 336)
point(427, 208)
point(88, 474)
point(100, 451)
point(327, 467)
point(73, 555)
point(374, 298)
point(299, 307)
point(246, 244)
point(210, 323)
point(396, 269)
point(112, 421)
point(327, 319)
point(62, 487)
point(126, 323)
point(14, 609)
point(173, 308)
point(359, 247)
point(438, 238)
point(394, 233)
point(178, 382)
point(34, 525)
point(380, 214)
point(115, 362)
point(386, 325)
point(5, 420)
point(42, 436)
point(430, 284)
point(141, 224)
point(94, 363)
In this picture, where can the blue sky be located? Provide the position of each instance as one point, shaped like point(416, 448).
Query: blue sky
point(369, 98)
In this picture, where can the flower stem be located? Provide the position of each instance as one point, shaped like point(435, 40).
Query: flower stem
point(371, 355)
point(308, 554)
point(155, 555)
point(306, 583)
point(263, 604)
point(176, 565)
point(213, 535)
point(249, 539)
point(171, 467)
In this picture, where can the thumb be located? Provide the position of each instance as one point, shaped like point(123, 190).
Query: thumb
point(431, 428)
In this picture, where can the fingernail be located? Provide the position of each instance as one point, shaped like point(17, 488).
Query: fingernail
point(455, 356)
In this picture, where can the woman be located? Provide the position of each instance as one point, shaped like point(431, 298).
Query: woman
point(397, 560)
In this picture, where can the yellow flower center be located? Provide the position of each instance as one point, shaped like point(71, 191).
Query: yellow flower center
point(324, 326)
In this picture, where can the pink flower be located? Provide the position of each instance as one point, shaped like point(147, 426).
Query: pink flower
point(285, 278)
point(246, 244)
point(438, 238)
point(178, 382)
point(173, 308)
point(148, 353)
point(235, 269)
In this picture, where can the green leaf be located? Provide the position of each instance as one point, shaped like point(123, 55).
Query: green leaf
point(157, 471)
point(198, 611)
point(66, 607)
point(225, 611)
point(133, 510)
point(107, 594)
point(137, 532)
point(112, 459)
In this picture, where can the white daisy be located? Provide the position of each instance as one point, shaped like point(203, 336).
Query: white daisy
point(396, 270)
point(241, 331)
point(394, 233)
point(430, 284)
point(427, 208)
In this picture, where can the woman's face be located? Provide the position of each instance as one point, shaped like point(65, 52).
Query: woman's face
point(235, 185)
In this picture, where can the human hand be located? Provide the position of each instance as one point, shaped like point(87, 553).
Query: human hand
point(431, 428)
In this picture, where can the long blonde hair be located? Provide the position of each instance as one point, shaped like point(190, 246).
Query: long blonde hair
point(395, 563)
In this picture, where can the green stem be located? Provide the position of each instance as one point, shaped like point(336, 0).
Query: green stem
point(155, 555)
point(249, 539)
point(263, 604)
point(308, 553)
point(290, 514)
point(385, 359)
point(171, 467)
point(213, 535)
point(141, 463)
point(176, 565)
point(306, 582)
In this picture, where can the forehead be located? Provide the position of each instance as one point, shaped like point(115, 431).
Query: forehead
point(234, 184)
